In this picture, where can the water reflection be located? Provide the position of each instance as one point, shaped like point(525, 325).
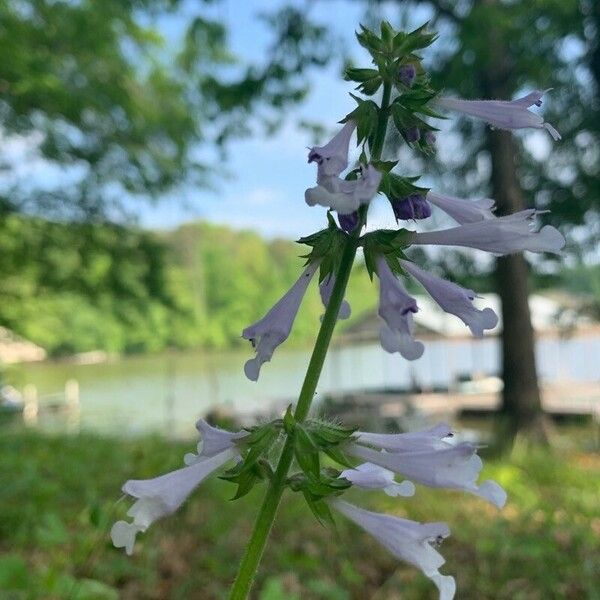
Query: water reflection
point(168, 392)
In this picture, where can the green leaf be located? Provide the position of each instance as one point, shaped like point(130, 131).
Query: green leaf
point(368, 40)
point(289, 422)
point(326, 434)
point(371, 86)
point(360, 75)
point(320, 509)
point(396, 187)
point(388, 243)
point(327, 247)
point(306, 452)
point(336, 454)
point(365, 115)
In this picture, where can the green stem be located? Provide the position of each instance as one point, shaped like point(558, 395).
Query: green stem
point(268, 509)
point(379, 139)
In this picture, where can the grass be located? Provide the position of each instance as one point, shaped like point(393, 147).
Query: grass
point(58, 498)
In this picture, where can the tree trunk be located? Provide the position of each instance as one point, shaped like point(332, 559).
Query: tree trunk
point(521, 405)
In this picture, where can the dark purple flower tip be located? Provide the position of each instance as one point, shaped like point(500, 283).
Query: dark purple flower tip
point(412, 134)
point(414, 206)
point(407, 74)
point(348, 222)
point(314, 156)
point(412, 308)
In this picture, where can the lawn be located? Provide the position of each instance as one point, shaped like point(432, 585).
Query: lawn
point(58, 497)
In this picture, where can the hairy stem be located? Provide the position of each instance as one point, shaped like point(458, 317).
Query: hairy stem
point(268, 509)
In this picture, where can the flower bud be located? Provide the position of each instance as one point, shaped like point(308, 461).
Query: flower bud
point(414, 206)
point(407, 74)
point(412, 134)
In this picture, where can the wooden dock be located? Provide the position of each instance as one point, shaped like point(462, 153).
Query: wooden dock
point(558, 400)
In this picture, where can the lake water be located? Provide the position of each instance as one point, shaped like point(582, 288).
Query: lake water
point(168, 392)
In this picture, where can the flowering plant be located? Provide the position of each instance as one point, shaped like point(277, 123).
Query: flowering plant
point(329, 457)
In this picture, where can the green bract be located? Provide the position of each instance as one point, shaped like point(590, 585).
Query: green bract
point(327, 246)
point(389, 243)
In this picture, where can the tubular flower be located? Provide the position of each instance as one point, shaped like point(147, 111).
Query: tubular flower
point(325, 290)
point(373, 477)
point(213, 441)
point(502, 235)
point(428, 439)
point(163, 495)
point(332, 158)
point(502, 114)
point(396, 308)
point(463, 211)
point(345, 196)
point(274, 328)
point(429, 459)
point(407, 540)
point(454, 299)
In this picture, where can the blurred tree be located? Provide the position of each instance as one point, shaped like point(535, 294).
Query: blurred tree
point(120, 105)
point(104, 103)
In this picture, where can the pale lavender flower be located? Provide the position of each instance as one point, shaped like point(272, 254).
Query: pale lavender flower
point(414, 206)
point(454, 299)
point(325, 290)
point(372, 477)
point(332, 158)
point(396, 308)
point(443, 466)
point(434, 438)
point(213, 441)
point(345, 196)
point(502, 235)
point(501, 113)
point(407, 540)
point(463, 211)
point(162, 496)
point(274, 328)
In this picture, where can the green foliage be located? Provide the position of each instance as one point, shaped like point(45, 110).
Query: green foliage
point(57, 503)
point(396, 187)
point(76, 288)
point(389, 243)
point(327, 246)
point(104, 93)
point(254, 465)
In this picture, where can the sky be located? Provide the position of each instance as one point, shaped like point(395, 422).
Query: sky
point(269, 175)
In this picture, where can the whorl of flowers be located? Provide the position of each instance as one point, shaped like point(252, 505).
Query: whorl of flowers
point(431, 457)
